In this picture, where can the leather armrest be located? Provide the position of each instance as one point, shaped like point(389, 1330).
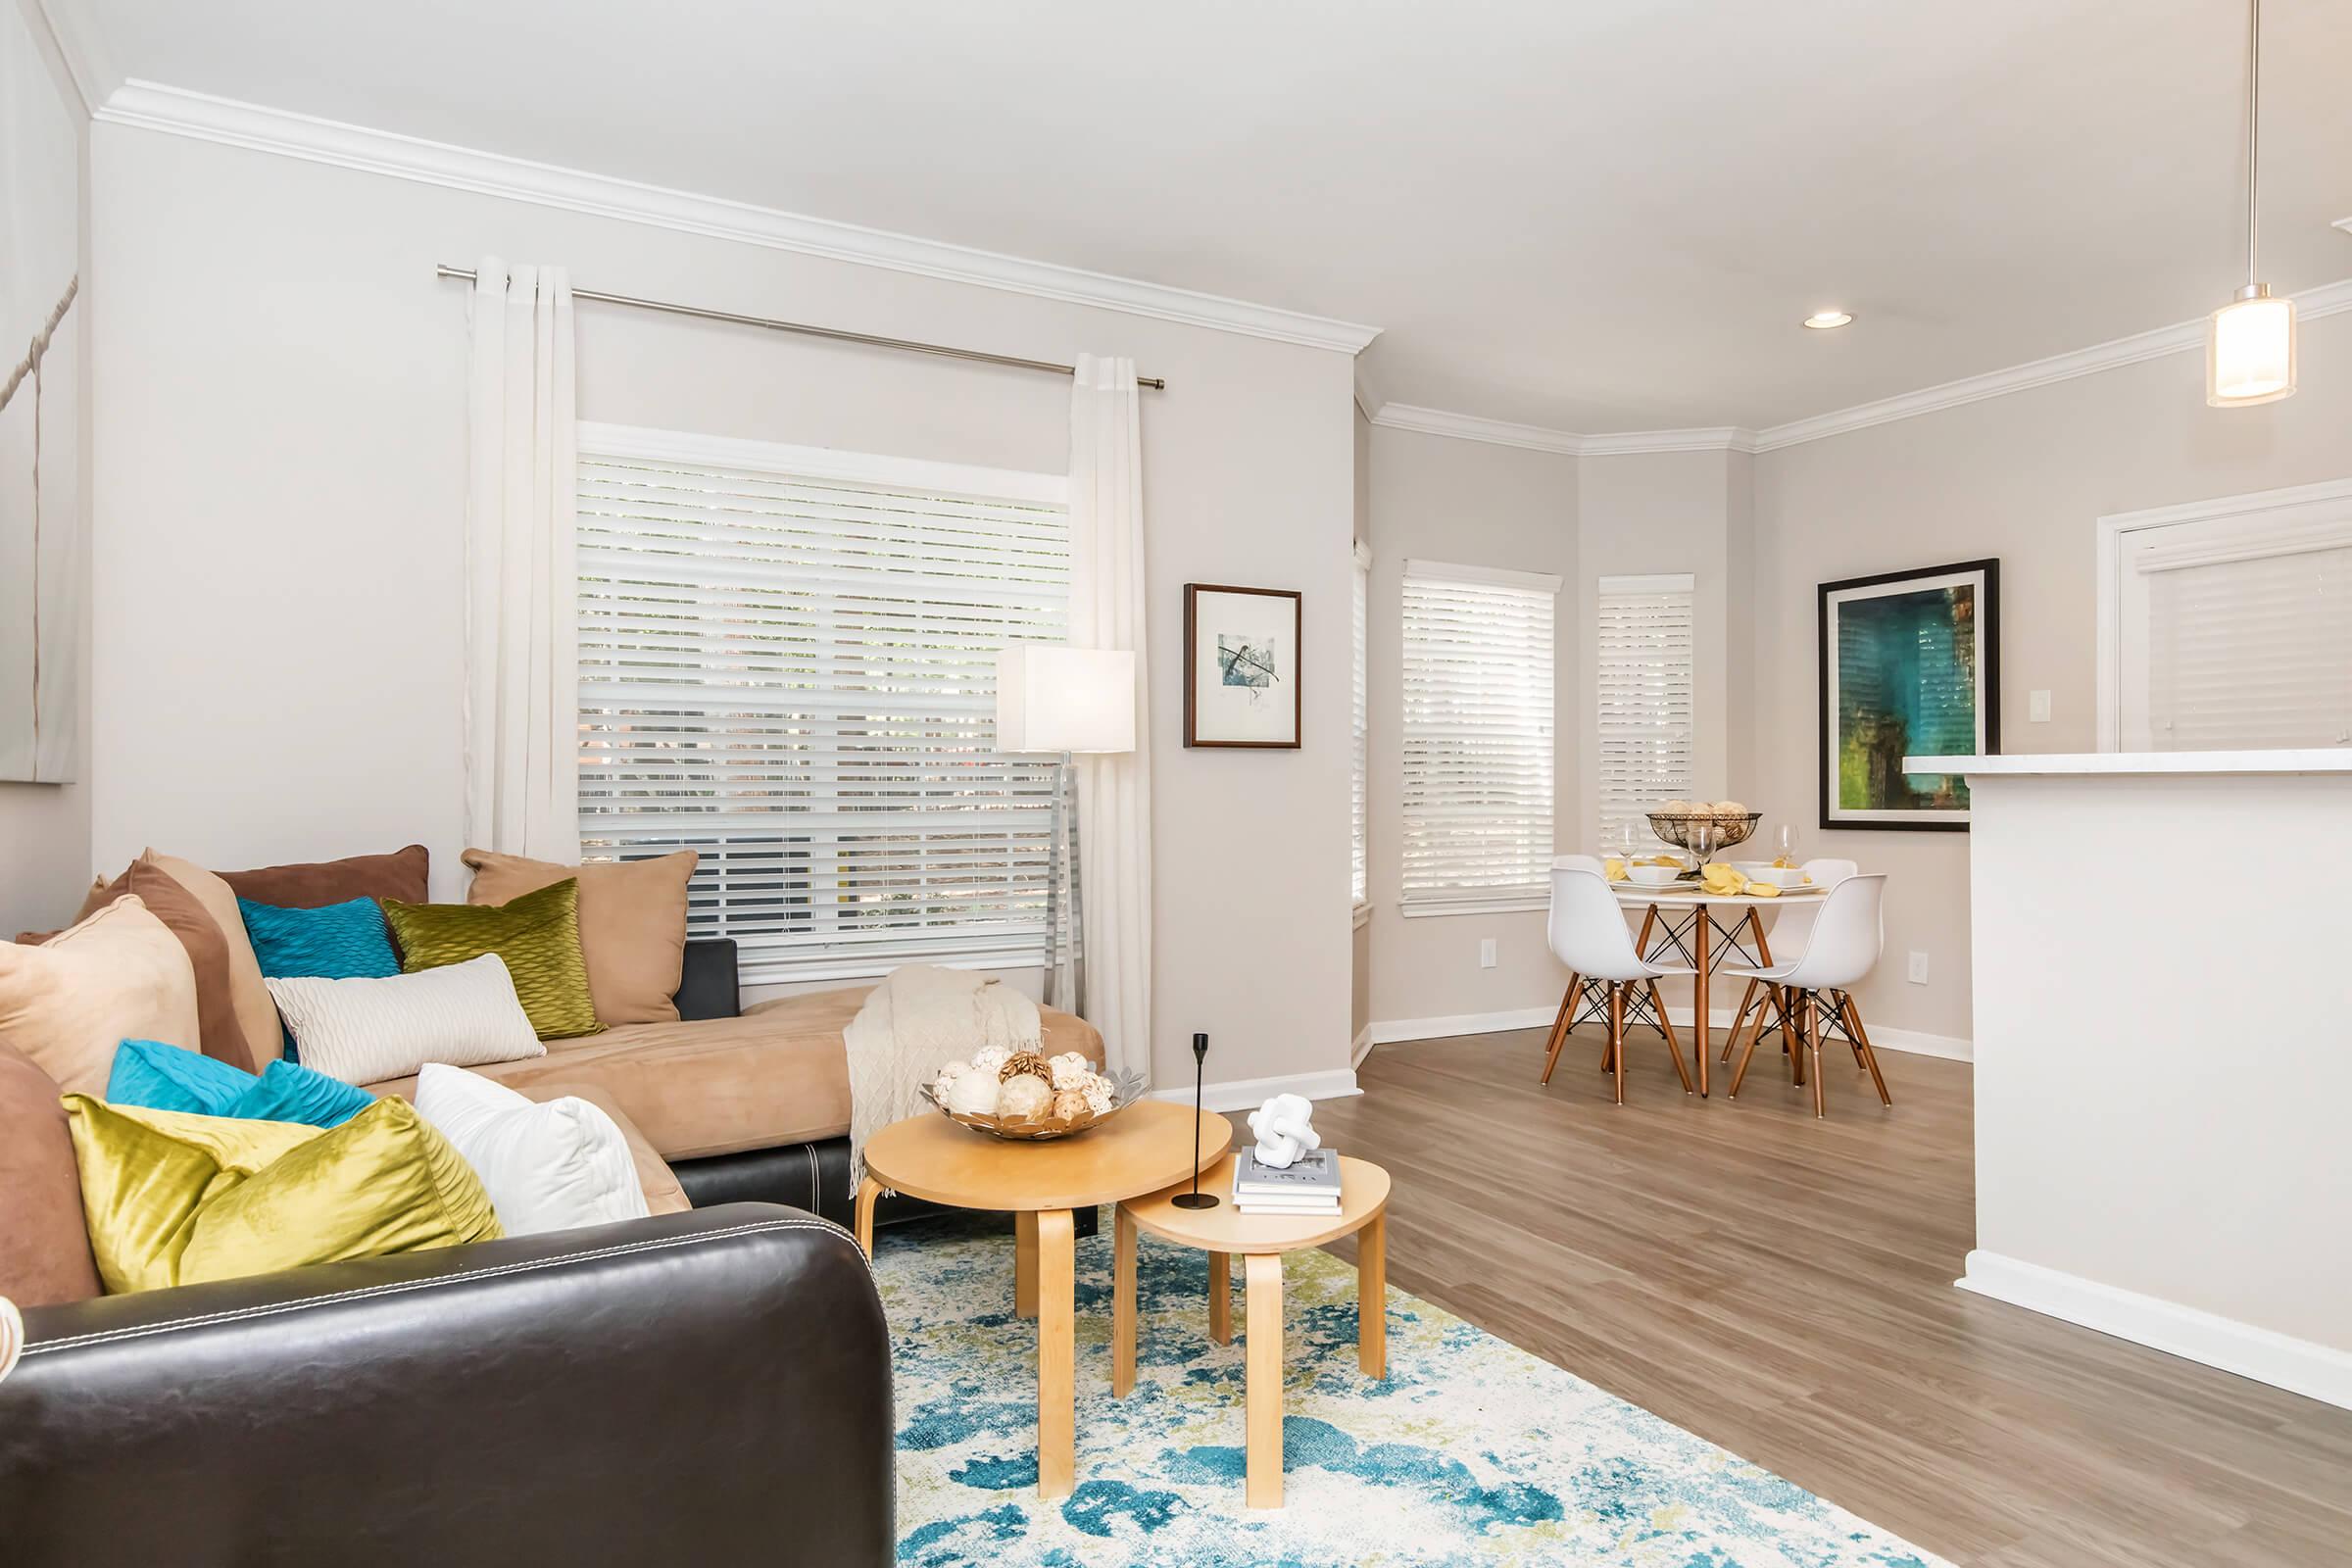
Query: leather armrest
point(706, 986)
point(704, 1387)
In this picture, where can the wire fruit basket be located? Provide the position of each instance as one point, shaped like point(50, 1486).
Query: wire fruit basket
point(1703, 833)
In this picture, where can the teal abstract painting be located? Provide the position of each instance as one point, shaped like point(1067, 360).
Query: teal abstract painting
point(1909, 669)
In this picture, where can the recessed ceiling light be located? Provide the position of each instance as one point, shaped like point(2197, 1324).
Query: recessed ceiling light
point(1823, 321)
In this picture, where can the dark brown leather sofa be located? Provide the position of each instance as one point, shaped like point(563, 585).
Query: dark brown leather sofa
point(704, 1387)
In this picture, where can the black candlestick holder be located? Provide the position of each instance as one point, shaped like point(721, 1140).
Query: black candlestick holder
point(1197, 1198)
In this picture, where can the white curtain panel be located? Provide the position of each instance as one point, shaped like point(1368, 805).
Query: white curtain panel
point(521, 632)
point(1115, 791)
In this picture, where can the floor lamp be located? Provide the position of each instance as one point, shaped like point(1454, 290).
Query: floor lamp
point(1064, 700)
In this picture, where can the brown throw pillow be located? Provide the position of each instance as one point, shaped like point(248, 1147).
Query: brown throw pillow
point(401, 875)
point(632, 924)
point(249, 994)
point(218, 1032)
point(44, 1246)
point(118, 975)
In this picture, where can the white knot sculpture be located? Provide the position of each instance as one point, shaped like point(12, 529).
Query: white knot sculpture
point(1285, 1130)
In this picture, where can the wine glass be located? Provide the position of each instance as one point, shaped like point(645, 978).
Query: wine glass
point(1702, 843)
point(1626, 839)
point(1786, 839)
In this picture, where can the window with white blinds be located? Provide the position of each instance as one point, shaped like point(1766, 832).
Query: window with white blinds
point(1359, 734)
point(788, 665)
point(1644, 678)
point(1477, 738)
point(2235, 631)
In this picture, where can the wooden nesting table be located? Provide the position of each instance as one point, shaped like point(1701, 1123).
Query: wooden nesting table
point(1146, 1147)
point(1260, 1240)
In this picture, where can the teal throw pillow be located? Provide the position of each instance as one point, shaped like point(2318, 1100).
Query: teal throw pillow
point(347, 941)
point(159, 1077)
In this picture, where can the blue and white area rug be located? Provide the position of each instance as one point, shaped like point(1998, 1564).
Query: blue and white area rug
point(1472, 1452)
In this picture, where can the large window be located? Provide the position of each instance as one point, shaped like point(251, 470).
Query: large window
point(1477, 737)
point(788, 665)
point(1642, 681)
point(2228, 625)
point(1359, 733)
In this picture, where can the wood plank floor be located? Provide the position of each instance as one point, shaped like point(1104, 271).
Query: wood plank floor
point(1783, 1287)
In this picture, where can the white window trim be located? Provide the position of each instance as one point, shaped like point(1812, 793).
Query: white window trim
point(1430, 906)
point(2114, 533)
point(1360, 747)
point(759, 966)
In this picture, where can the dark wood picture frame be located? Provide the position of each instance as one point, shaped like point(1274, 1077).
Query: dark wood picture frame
point(1988, 687)
point(1192, 666)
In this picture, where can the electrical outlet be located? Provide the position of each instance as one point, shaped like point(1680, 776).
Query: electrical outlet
point(2037, 708)
point(1918, 968)
point(1485, 953)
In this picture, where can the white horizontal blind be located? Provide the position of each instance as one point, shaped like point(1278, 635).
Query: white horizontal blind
point(1359, 731)
point(1476, 736)
point(2249, 635)
point(1647, 719)
point(787, 663)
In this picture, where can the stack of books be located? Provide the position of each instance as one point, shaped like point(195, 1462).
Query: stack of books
point(1309, 1184)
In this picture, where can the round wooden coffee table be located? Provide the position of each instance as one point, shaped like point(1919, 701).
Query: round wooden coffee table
point(1261, 1240)
point(1145, 1147)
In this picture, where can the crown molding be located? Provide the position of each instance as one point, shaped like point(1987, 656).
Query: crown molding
point(2328, 298)
point(152, 105)
point(1470, 427)
point(79, 46)
point(1704, 438)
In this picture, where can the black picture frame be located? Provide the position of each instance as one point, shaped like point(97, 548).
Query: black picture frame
point(1829, 597)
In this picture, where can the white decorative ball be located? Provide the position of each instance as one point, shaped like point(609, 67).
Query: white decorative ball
point(1071, 1070)
point(1096, 1090)
point(974, 1093)
point(989, 1059)
point(1024, 1096)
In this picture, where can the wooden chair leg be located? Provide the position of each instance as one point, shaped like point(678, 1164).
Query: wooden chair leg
point(1793, 1035)
point(1673, 1047)
point(1812, 1007)
point(1748, 999)
point(1559, 1029)
point(1740, 1073)
point(1862, 1048)
point(1617, 1034)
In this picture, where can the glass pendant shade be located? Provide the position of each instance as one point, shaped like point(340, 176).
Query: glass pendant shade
point(2250, 351)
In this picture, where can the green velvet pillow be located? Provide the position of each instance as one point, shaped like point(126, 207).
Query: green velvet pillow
point(537, 936)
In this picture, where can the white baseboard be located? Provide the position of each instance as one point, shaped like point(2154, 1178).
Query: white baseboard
point(1362, 1048)
point(2317, 1371)
point(1248, 1094)
point(1911, 1042)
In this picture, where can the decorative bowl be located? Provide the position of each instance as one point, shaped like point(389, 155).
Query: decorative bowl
point(1779, 876)
point(1653, 876)
point(1125, 1090)
point(1683, 828)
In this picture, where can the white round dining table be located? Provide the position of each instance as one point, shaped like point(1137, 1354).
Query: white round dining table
point(1701, 940)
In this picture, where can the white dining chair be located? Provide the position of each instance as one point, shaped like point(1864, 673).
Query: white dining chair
point(1842, 945)
point(1791, 928)
point(1587, 930)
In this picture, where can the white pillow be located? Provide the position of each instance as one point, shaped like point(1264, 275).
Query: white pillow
point(548, 1165)
point(365, 1031)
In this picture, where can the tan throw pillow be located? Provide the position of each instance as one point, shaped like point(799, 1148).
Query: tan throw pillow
point(222, 1036)
point(257, 1014)
point(632, 924)
point(118, 975)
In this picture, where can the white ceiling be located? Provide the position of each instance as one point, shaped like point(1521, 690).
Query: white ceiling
point(1583, 216)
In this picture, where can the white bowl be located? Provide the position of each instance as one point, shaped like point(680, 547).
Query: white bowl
point(1779, 876)
point(1653, 876)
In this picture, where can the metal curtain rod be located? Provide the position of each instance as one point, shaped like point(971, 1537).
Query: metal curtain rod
point(805, 331)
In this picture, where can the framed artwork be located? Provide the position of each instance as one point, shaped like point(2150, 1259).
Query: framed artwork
point(40, 441)
point(1240, 667)
point(1910, 666)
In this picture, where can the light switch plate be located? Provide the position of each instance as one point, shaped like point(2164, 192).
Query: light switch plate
point(1485, 953)
point(1918, 968)
point(2037, 708)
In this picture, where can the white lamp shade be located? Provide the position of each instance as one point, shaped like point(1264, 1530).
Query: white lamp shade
point(2250, 352)
point(1054, 698)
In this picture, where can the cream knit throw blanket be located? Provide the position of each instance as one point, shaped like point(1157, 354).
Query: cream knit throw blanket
point(917, 1021)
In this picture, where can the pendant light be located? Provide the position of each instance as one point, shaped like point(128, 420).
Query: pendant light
point(2250, 346)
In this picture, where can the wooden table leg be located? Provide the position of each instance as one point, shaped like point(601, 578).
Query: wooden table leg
point(1025, 1263)
point(869, 1189)
point(1262, 1274)
point(1122, 1309)
point(1057, 1355)
point(1372, 1298)
point(1700, 928)
point(1220, 1298)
